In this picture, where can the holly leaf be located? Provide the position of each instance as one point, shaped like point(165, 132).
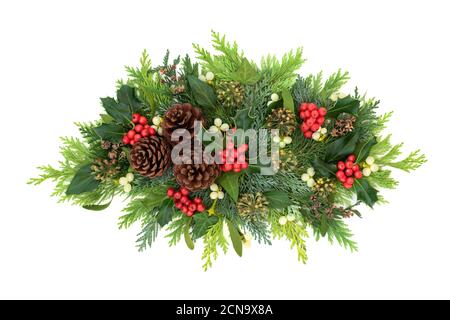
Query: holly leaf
point(188, 238)
point(165, 213)
point(242, 119)
point(202, 222)
point(120, 112)
point(365, 192)
point(348, 105)
point(341, 147)
point(235, 238)
point(277, 199)
point(154, 198)
point(326, 170)
point(126, 95)
point(246, 73)
point(83, 181)
point(203, 93)
point(363, 149)
point(230, 182)
point(110, 131)
point(288, 101)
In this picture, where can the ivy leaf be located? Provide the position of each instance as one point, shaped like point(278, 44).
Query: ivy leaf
point(230, 182)
point(120, 112)
point(242, 119)
point(341, 147)
point(288, 101)
point(363, 149)
point(348, 105)
point(110, 131)
point(126, 95)
point(165, 213)
point(246, 74)
point(188, 238)
point(203, 93)
point(97, 207)
point(83, 181)
point(235, 238)
point(326, 170)
point(365, 192)
point(277, 199)
point(202, 222)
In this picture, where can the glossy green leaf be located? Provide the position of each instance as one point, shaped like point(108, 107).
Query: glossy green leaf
point(110, 131)
point(277, 199)
point(83, 181)
point(230, 182)
point(363, 149)
point(324, 226)
point(342, 147)
point(365, 192)
point(188, 238)
point(346, 105)
point(120, 112)
point(203, 93)
point(126, 95)
point(288, 101)
point(326, 170)
point(202, 222)
point(242, 119)
point(235, 238)
point(165, 213)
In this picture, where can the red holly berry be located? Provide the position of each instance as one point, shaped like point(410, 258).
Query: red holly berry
point(343, 179)
point(302, 115)
point(192, 207)
point(320, 120)
point(348, 172)
point(143, 120)
point(200, 207)
point(138, 128)
point(177, 195)
point(341, 165)
point(152, 131)
point(312, 106)
point(237, 169)
point(131, 134)
point(145, 133)
point(198, 200)
point(304, 127)
point(315, 127)
point(244, 165)
point(307, 114)
point(351, 158)
point(170, 192)
point(178, 205)
point(350, 180)
point(308, 134)
point(132, 142)
point(184, 199)
point(349, 164)
point(242, 148)
point(135, 118)
point(184, 209)
point(310, 122)
point(227, 167)
point(190, 213)
point(356, 168)
point(184, 191)
point(348, 186)
point(358, 174)
point(322, 112)
point(340, 174)
point(314, 114)
point(125, 139)
point(303, 106)
point(137, 137)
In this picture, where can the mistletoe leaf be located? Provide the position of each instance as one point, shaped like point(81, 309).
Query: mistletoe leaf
point(288, 101)
point(97, 207)
point(203, 93)
point(235, 238)
point(230, 182)
point(188, 238)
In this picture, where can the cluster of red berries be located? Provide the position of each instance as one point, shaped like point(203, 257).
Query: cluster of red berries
point(313, 117)
point(348, 171)
point(182, 201)
point(140, 130)
point(233, 159)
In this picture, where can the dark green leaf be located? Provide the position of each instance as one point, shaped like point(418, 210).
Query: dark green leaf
point(230, 182)
point(203, 93)
point(120, 112)
point(342, 147)
point(365, 192)
point(188, 238)
point(154, 198)
point(326, 170)
point(106, 118)
point(288, 101)
point(235, 238)
point(363, 149)
point(110, 131)
point(324, 226)
point(126, 95)
point(165, 213)
point(242, 119)
point(277, 199)
point(202, 222)
point(83, 181)
point(97, 207)
point(246, 74)
point(348, 105)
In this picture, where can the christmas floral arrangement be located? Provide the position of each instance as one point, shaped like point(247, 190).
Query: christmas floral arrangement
point(224, 150)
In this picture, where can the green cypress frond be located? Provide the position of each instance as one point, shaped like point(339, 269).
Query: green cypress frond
point(382, 179)
point(147, 236)
point(213, 239)
point(334, 83)
point(176, 228)
point(413, 161)
point(338, 231)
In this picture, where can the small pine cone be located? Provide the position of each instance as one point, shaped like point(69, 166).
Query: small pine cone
point(195, 177)
point(230, 93)
point(105, 169)
point(343, 126)
point(151, 156)
point(283, 120)
point(252, 205)
point(181, 116)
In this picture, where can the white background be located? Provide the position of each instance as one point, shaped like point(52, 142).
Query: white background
point(58, 57)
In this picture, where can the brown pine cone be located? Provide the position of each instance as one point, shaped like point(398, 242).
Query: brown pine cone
point(151, 156)
point(196, 177)
point(181, 116)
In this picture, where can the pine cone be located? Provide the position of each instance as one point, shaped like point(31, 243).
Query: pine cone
point(230, 93)
point(196, 177)
point(252, 205)
point(180, 116)
point(283, 120)
point(151, 156)
point(343, 126)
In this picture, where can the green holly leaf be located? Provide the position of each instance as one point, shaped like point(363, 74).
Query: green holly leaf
point(326, 170)
point(203, 93)
point(288, 101)
point(165, 213)
point(235, 238)
point(365, 192)
point(277, 199)
point(348, 105)
point(154, 198)
point(363, 149)
point(187, 237)
point(120, 112)
point(230, 182)
point(110, 131)
point(83, 181)
point(202, 222)
point(127, 95)
point(242, 119)
point(246, 73)
point(341, 147)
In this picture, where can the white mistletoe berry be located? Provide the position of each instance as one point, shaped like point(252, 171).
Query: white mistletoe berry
point(323, 131)
point(127, 187)
point(370, 160)
point(290, 217)
point(305, 177)
point(209, 76)
point(374, 167)
point(156, 120)
point(276, 139)
point(247, 240)
point(287, 140)
point(311, 172)
point(282, 144)
point(311, 183)
point(225, 127)
point(129, 177)
point(213, 129)
point(214, 195)
point(214, 187)
point(202, 78)
point(274, 97)
point(282, 220)
point(217, 122)
point(123, 181)
point(220, 195)
point(367, 172)
point(316, 136)
point(160, 131)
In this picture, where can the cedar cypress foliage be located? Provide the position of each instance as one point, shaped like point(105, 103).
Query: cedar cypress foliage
point(343, 162)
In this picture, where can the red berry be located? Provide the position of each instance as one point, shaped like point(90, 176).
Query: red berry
point(312, 106)
point(178, 205)
point(322, 112)
point(310, 122)
point(198, 200)
point(308, 134)
point(145, 133)
point(227, 167)
point(348, 172)
point(303, 106)
point(315, 127)
point(355, 168)
point(340, 174)
point(230, 145)
point(190, 213)
point(351, 158)
point(349, 164)
point(302, 115)
point(184, 199)
point(358, 174)
point(131, 134)
point(343, 179)
point(320, 120)
point(236, 166)
point(184, 209)
point(151, 131)
point(244, 165)
point(132, 142)
point(315, 114)
point(138, 128)
point(170, 192)
point(341, 165)
point(137, 137)
point(347, 186)
point(184, 191)
point(304, 127)
point(135, 118)
point(237, 169)
point(177, 195)
point(241, 159)
point(143, 120)
point(350, 180)
point(200, 208)
point(192, 207)
point(242, 148)
point(125, 139)
point(307, 114)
